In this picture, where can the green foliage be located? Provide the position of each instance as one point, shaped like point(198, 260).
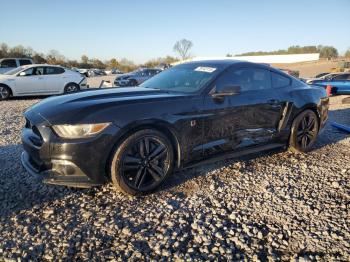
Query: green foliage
point(113, 63)
point(325, 51)
point(347, 53)
point(328, 52)
point(160, 60)
point(126, 65)
point(54, 57)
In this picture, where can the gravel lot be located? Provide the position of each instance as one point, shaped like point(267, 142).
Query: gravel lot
point(276, 206)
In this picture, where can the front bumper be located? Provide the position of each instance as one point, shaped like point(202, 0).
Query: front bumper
point(52, 176)
point(75, 162)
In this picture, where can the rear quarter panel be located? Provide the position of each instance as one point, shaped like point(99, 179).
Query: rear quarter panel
point(309, 97)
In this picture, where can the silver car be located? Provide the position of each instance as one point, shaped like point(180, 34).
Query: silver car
point(136, 77)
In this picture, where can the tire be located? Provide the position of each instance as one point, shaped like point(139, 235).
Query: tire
point(133, 82)
point(5, 92)
point(304, 132)
point(142, 162)
point(71, 88)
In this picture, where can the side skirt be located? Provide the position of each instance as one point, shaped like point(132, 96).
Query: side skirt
point(236, 154)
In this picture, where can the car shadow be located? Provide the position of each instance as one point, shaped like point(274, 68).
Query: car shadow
point(19, 190)
point(329, 135)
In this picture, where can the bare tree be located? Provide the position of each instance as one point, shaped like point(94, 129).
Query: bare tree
point(182, 47)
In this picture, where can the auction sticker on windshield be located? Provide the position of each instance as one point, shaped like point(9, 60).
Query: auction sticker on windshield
point(205, 69)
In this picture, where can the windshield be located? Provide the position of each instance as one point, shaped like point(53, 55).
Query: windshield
point(187, 78)
point(15, 71)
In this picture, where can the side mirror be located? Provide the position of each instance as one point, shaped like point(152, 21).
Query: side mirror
point(227, 91)
point(22, 74)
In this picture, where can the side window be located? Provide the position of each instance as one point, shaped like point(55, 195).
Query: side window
point(29, 71)
point(8, 63)
point(247, 78)
point(279, 80)
point(38, 71)
point(54, 70)
point(24, 62)
point(342, 77)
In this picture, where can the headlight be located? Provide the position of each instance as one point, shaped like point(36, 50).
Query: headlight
point(79, 131)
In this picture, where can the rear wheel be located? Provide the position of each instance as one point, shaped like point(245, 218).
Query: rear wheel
point(71, 87)
point(142, 162)
point(5, 92)
point(304, 131)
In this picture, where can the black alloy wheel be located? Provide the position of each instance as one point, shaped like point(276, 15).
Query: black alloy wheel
point(142, 162)
point(304, 131)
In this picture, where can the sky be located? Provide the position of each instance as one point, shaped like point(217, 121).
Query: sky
point(142, 30)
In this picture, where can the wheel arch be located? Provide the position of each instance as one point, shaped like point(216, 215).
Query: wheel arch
point(68, 83)
point(4, 85)
point(158, 125)
point(310, 106)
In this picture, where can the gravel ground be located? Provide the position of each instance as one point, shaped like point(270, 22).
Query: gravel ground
point(276, 206)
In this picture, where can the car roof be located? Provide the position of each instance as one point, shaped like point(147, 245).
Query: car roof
point(34, 65)
point(225, 63)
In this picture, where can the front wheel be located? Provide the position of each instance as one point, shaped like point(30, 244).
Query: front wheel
point(71, 87)
point(142, 162)
point(304, 131)
point(5, 92)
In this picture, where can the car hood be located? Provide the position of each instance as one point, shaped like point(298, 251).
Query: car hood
point(2, 76)
point(83, 106)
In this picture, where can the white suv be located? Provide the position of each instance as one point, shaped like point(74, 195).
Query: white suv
point(7, 64)
point(40, 79)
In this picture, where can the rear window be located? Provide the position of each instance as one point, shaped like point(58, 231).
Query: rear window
point(8, 63)
point(24, 62)
point(279, 80)
point(54, 70)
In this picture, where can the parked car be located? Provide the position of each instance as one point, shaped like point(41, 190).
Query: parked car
point(83, 71)
point(188, 115)
point(96, 72)
point(321, 75)
point(338, 87)
point(330, 77)
point(40, 79)
point(115, 71)
point(7, 64)
point(135, 78)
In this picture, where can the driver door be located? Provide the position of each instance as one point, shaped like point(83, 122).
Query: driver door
point(241, 120)
point(31, 81)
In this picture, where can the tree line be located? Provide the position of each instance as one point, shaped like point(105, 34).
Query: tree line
point(328, 52)
point(181, 47)
point(54, 57)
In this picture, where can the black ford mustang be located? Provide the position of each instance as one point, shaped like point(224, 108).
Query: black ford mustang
point(188, 114)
